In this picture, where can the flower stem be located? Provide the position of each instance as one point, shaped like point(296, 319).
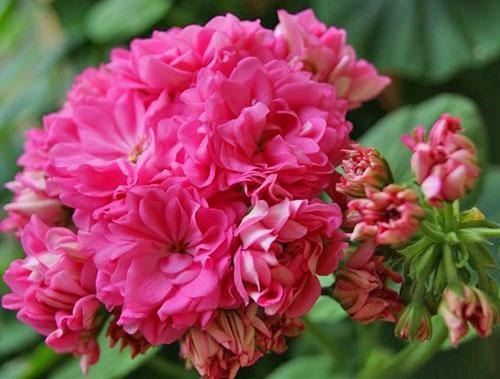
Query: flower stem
point(410, 358)
point(322, 339)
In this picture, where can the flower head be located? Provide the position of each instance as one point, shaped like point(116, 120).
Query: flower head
point(324, 52)
point(472, 305)
point(446, 164)
point(54, 291)
point(283, 247)
point(161, 255)
point(363, 167)
point(390, 216)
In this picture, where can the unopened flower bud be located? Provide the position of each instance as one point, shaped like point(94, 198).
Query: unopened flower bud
point(363, 291)
point(472, 305)
point(391, 216)
point(446, 164)
point(414, 323)
point(363, 166)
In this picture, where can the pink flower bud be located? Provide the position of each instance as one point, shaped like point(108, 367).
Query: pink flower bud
point(235, 339)
point(415, 323)
point(363, 166)
point(471, 306)
point(137, 343)
point(363, 292)
point(390, 216)
point(445, 165)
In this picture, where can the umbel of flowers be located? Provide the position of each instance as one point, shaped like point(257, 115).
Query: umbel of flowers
point(177, 196)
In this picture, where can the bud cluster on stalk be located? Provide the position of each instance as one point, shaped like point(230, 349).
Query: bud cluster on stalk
point(419, 236)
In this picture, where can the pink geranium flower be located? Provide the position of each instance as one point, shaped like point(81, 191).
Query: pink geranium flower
point(53, 290)
point(324, 52)
point(283, 247)
point(391, 215)
point(263, 119)
point(446, 164)
point(161, 256)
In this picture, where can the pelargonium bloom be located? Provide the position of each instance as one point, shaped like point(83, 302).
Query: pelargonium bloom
point(262, 120)
point(54, 291)
point(362, 290)
point(31, 198)
point(170, 60)
point(161, 254)
point(283, 247)
point(235, 339)
point(471, 306)
point(363, 167)
point(390, 216)
point(324, 52)
point(446, 164)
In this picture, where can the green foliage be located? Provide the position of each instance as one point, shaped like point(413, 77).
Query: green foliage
point(110, 20)
point(112, 363)
point(319, 367)
point(420, 39)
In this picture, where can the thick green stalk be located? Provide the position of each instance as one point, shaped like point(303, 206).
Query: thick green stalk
point(410, 358)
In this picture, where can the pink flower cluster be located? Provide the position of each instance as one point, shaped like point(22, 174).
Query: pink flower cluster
point(445, 165)
point(178, 189)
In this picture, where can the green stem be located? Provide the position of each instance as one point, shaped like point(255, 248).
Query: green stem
point(449, 217)
point(322, 339)
point(450, 265)
point(410, 358)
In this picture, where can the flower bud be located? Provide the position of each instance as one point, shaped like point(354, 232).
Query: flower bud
point(236, 338)
point(391, 216)
point(472, 305)
point(363, 166)
point(445, 165)
point(363, 292)
point(415, 323)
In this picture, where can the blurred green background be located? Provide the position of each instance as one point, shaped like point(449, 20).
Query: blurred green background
point(428, 47)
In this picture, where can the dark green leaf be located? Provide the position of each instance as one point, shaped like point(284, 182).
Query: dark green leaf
point(424, 39)
point(317, 367)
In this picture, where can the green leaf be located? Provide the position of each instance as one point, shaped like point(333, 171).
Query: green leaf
point(317, 367)
point(326, 310)
point(112, 364)
point(14, 336)
point(421, 39)
point(488, 202)
point(110, 20)
point(385, 134)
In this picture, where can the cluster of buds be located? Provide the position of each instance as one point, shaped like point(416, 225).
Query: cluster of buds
point(418, 230)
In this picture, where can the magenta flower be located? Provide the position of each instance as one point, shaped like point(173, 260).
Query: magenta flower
point(445, 165)
point(390, 216)
point(161, 254)
point(472, 306)
point(236, 339)
point(262, 120)
point(54, 291)
point(283, 247)
point(323, 51)
point(361, 287)
point(363, 167)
